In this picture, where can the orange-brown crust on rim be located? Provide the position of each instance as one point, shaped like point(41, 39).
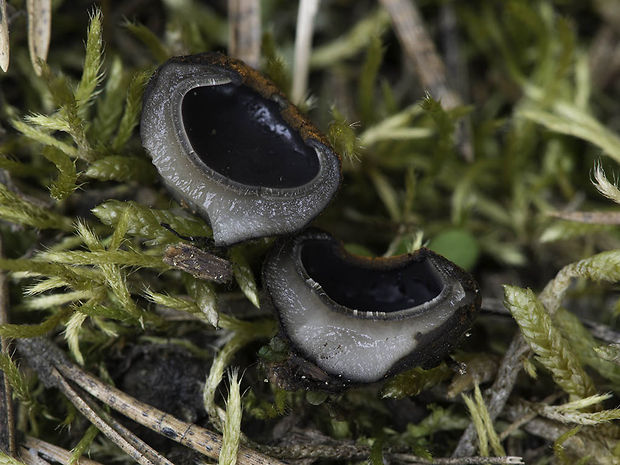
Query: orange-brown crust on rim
point(267, 89)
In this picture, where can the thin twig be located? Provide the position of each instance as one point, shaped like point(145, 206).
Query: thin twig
point(510, 460)
point(421, 52)
point(4, 37)
point(349, 450)
point(527, 417)
point(199, 439)
point(303, 47)
point(55, 453)
point(244, 30)
point(7, 414)
point(420, 49)
point(129, 443)
point(593, 217)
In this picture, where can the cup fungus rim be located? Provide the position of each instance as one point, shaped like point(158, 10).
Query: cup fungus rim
point(226, 70)
point(324, 346)
point(376, 264)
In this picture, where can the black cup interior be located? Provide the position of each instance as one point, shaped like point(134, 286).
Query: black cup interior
point(366, 286)
point(241, 135)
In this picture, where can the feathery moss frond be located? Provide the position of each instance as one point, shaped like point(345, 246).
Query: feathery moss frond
point(231, 431)
point(15, 167)
point(584, 346)
point(91, 74)
point(603, 185)
point(77, 277)
point(147, 222)
point(566, 118)
point(183, 305)
point(353, 41)
point(6, 459)
point(244, 275)
point(19, 331)
point(563, 230)
point(109, 103)
point(16, 379)
point(147, 37)
point(274, 65)
point(42, 136)
point(551, 349)
point(55, 300)
point(82, 446)
point(558, 444)
point(121, 169)
point(133, 106)
point(105, 257)
point(16, 209)
point(488, 423)
point(601, 267)
point(476, 418)
point(205, 297)
point(342, 136)
point(368, 80)
point(220, 362)
point(65, 184)
point(414, 381)
point(72, 335)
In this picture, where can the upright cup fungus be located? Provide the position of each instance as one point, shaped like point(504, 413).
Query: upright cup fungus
point(354, 320)
point(232, 148)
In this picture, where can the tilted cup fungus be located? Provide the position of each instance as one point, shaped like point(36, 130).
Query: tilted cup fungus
point(354, 320)
point(231, 147)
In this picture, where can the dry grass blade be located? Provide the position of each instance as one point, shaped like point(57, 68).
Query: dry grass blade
point(55, 453)
point(589, 217)
point(420, 50)
point(199, 439)
point(244, 31)
point(39, 31)
point(4, 37)
point(428, 64)
point(303, 46)
point(122, 437)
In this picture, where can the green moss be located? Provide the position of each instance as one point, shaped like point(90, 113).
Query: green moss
point(85, 218)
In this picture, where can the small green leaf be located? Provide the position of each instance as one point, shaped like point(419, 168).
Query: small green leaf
point(244, 275)
point(148, 38)
point(316, 397)
point(457, 245)
point(275, 66)
point(368, 78)
point(122, 169)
